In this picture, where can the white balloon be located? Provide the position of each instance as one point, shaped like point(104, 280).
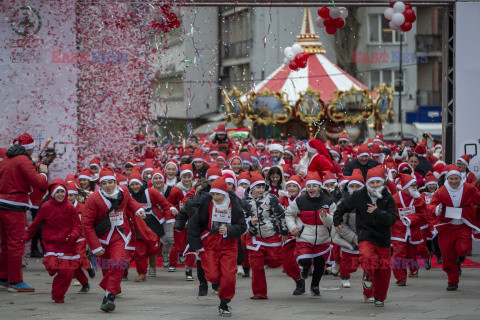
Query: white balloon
point(286, 61)
point(398, 19)
point(289, 53)
point(334, 13)
point(393, 26)
point(319, 22)
point(343, 12)
point(297, 49)
point(399, 7)
point(389, 13)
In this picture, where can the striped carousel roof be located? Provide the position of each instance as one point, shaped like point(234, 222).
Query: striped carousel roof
point(321, 74)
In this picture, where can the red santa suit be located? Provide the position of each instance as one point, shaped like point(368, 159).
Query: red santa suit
point(290, 265)
point(455, 223)
point(116, 237)
point(17, 177)
point(60, 231)
point(406, 233)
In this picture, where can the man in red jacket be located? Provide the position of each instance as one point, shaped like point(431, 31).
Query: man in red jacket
point(17, 177)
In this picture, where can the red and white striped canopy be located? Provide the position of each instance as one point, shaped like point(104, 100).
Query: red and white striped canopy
point(321, 74)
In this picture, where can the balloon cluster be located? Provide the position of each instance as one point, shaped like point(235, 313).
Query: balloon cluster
point(295, 57)
point(331, 18)
point(400, 16)
point(165, 19)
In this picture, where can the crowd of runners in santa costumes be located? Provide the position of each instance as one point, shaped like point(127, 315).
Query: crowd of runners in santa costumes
point(229, 207)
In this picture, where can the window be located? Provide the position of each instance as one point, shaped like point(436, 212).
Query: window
point(389, 77)
point(237, 76)
point(169, 88)
point(380, 32)
point(236, 38)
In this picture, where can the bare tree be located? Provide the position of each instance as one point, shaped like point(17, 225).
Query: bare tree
point(346, 41)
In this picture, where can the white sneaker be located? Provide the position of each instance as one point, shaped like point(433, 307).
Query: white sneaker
point(369, 300)
point(240, 271)
point(335, 268)
point(152, 271)
point(172, 269)
point(346, 283)
point(76, 284)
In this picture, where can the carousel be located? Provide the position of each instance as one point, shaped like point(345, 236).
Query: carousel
point(320, 100)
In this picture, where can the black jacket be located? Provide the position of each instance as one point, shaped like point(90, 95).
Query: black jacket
point(423, 166)
point(191, 208)
point(354, 164)
point(375, 226)
point(199, 221)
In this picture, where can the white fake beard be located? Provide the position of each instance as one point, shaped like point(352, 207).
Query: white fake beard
point(375, 193)
point(350, 191)
point(223, 205)
point(414, 193)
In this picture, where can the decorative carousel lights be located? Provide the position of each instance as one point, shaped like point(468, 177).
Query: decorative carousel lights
point(318, 98)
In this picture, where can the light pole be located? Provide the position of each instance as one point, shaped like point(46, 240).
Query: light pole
point(400, 115)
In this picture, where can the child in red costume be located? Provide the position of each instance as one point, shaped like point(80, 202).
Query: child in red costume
point(61, 229)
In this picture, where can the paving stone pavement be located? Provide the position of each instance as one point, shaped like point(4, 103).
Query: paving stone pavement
point(169, 296)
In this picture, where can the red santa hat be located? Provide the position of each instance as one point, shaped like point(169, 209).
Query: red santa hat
point(71, 188)
point(220, 129)
point(246, 159)
point(335, 150)
point(260, 143)
point(376, 150)
point(244, 177)
point(313, 178)
point(378, 138)
point(148, 166)
point(267, 164)
point(438, 168)
point(329, 177)
point(173, 163)
point(465, 159)
point(370, 143)
point(256, 179)
point(159, 173)
point(290, 150)
point(213, 150)
point(222, 155)
point(452, 169)
point(342, 180)
point(3, 153)
point(233, 156)
point(186, 168)
point(297, 180)
point(85, 174)
point(375, 174)
point(219, 186)
point(430, 179)
point(25, 140)
point(275, 147)
point(185, 153)
point(198, 156)
point(229, 176)
point(363, 150)
point(121, 179)
point(95, 162)
point(406, 180)
point(343, 137)
point(213, 172)
point(135, 177)
point(420, 149)
point(106, 174)
point(55, 185)
point(131, 162)
point(357, 178)
point(70, 178)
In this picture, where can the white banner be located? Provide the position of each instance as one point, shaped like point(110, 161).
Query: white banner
point(38, 92)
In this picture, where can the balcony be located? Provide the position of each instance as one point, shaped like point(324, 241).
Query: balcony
point(239, 49)
point(429, 44)
point(429, 98)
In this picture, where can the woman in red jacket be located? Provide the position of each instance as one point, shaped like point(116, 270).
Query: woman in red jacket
point(61, 229)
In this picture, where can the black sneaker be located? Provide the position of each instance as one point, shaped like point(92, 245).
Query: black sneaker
point(315, 293)
point(189, 275)
point(85, 288)
point(378, 303)
point(215, 288)
point(108, 305)
point(367, 283)
point(300, 289)
point(452, 288)
point(203, 289)
point(305, 272)
point(36, 254)
point(91, 271)
point(224, 310)
point(402, 284)
point(246, 273)
point(428, 264)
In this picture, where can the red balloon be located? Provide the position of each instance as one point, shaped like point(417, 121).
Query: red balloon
point(305, 55)
point(406, 26)
point(293, 65)
point(331, 30)
point(329, 22)
point(298, 59)
point(391, 4)
point(386, 19)
point(324, 12)
point(407, 5)
point(409, 15)
point(302, 63)
point(339, 23)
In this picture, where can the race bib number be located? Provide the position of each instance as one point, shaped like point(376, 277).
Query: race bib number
point(222, 216)
point(147, 207)
point(116, 218)
point(453, 213)
point(403, 212)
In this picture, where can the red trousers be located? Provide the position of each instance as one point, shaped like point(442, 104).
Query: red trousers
point(63, 271)
point(273, 257)
point(377, 264)
point(142, 252)
point(246, 260)
point(113, 263)
point(348, 264)
point(221, 267)
point(83, 264)
point(290, 265)
point(12, 229)
point(454, 241)
point(179, 244)
point(405, 256)
point(336, 253)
